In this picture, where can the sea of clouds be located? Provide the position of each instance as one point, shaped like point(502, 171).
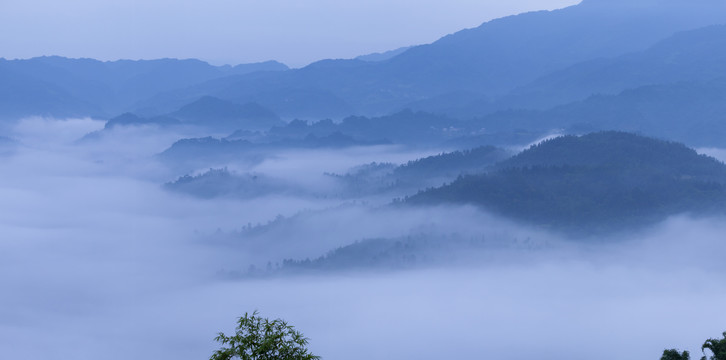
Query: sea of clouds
point(98, 260)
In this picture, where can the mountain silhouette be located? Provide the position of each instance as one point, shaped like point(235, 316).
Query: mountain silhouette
point(489, 60)
point(58, 86)
point(486, 62)
point(597, 182)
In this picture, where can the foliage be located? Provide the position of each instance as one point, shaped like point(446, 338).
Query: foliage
point(431, 171)
point(222, 182)
point(597, 182)
point(258, 338)
point(451, 164)
point(673, 354)
point(405, 127)
point(413, 251)
point(716, 347)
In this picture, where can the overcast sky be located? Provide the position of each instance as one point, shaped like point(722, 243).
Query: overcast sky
point(238, 31)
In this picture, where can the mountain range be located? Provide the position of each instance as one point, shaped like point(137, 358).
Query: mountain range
point(62, 87)
point(533, 61)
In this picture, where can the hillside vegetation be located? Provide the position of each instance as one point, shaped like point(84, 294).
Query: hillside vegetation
point(597, 182)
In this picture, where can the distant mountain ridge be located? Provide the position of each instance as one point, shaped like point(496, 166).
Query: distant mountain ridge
point(87, 87)
point(383, 56)
point(689, 112)
point(224, 115)
point(206, 115)
point(485, 62)
point(695, 55)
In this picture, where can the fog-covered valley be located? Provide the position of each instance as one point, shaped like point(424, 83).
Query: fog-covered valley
point(99, 257)
point(546, 185)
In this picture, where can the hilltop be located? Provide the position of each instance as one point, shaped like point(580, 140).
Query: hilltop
point(597, 182)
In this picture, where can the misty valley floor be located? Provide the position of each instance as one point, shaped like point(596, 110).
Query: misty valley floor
point(96, 254)
point(548, 185)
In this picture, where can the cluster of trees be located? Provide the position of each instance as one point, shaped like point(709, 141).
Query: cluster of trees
point(452, 164)
point(404, 253)
point(258, 338)
point(371, 254)
point(597, 182)
point(406, 127)
point(223, 182)
point(717, 348)
point(423, 173)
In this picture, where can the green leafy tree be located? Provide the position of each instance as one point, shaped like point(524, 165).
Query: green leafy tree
point(673, 354)
point(717, 348)
point(258, 338)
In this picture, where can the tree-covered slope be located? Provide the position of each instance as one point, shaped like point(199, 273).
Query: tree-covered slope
point(366, 180)
point(452, 163)
point(405, 127)
point(695, 56)
point(427, 172)
point(224, 115)
point(600, 181)
point(394, 254)
point(223, 183)
point(689, 112)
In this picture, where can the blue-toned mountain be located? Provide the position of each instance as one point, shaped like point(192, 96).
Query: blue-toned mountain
point(58, 86)
point(694, 56)
point(484, 62)
point(489, 60)
point(597, 182)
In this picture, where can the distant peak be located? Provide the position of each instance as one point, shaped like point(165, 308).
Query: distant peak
point(383, 56)
point(641, 3)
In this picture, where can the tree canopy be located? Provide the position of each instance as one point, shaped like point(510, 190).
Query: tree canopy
point(673, 354)
point(593, 183)
point(258, 338)
point(717, 347)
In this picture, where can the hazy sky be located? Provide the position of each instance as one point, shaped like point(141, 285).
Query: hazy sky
point(238, 31)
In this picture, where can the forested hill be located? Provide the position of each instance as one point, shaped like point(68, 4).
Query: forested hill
point(597, 182)
point(628, 153)
point(428, 172)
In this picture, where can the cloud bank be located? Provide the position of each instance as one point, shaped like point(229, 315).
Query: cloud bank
point(98, 260)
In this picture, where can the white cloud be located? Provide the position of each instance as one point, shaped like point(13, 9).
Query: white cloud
point(96, 258)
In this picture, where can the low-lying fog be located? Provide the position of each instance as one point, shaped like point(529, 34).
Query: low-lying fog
point(98, 261)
